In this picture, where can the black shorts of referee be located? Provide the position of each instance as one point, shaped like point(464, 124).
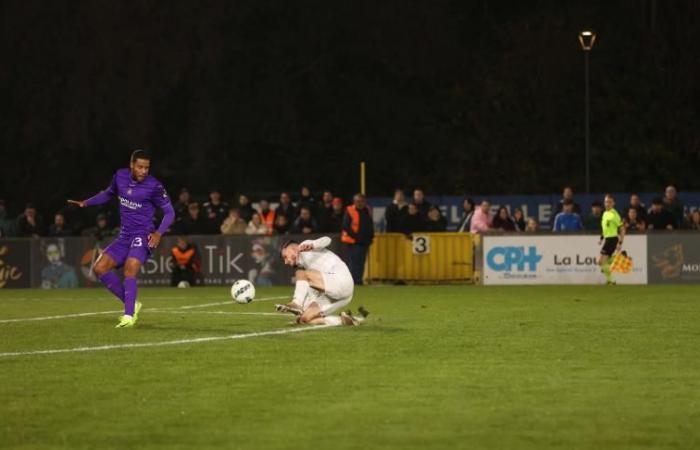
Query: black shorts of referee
point(609, 246)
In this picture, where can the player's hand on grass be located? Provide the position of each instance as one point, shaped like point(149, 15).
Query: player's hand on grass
point(305, 247)
point(154, 239)
point(80, 203)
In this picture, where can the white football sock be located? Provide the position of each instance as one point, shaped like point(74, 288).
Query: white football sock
point(333, 320)
point(301, 290)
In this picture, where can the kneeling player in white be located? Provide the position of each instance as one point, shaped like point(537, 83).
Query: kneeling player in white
point(324, 284)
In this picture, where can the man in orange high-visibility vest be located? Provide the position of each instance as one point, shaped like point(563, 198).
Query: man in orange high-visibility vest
point(357, 233)
point(267, 215)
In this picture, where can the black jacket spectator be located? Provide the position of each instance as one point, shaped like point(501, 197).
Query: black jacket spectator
point(59, 228)
point(636, 203)
point(436, 221)
point(394, 216)
point(281, 225)
point(674, 205)
point(324, 208)
point(412, 222)
point(307, 200)
point(180, 207)
point(305, 223)
point(286, 208)
point(395, 212)
point(502, 221)
point(193, 223)
point(421, 203)
point(245, 209)
point(214, 212)
point(333, 221)
point(30, 223)
point(660, 219)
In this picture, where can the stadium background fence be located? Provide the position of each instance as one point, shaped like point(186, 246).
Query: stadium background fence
point(662, 257)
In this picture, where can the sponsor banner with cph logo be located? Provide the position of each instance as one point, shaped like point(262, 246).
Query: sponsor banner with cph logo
point(557, 259)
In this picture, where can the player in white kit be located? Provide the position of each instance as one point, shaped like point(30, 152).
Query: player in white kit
point(324, 284)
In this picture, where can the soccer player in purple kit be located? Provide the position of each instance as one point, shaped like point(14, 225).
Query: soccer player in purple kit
point(139, 195)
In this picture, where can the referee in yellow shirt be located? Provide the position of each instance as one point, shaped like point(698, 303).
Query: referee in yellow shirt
point(613, 233)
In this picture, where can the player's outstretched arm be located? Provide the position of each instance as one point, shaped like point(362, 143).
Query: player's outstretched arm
point(99, 198)
point(80, 203)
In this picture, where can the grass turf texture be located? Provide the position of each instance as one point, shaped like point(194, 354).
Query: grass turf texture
point(434, 367)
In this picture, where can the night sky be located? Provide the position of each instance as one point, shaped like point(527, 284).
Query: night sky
point(259, 96)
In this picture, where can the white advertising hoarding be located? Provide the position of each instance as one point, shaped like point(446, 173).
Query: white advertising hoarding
point(556, 259)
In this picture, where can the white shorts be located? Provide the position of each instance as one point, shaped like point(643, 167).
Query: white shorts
point(339, 288)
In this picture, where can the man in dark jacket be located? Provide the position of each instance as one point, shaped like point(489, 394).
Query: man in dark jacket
point(286, 208)
point(305, 223)
point(245, 209)
point(659, 218)
point(334, 223)
point(214, 212)
point(357, 233)
point(30, 223)
point(396, 212)
point(421, 203)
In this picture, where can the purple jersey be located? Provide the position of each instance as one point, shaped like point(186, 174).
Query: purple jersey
point(137, 203)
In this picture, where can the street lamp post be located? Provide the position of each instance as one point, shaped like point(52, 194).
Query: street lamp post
point(587, 39)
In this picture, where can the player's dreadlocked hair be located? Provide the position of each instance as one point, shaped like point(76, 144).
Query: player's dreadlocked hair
point(140, 154)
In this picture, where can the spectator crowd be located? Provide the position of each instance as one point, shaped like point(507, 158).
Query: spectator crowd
point(303, 214)
point(212, 216)
point(666, 212)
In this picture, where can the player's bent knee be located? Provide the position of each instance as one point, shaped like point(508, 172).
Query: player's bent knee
point(131, 268)
point(101, 267)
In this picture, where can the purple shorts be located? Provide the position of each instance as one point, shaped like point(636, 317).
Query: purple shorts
point(124, 247)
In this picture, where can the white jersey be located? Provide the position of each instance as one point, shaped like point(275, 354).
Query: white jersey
point(320, 258)
point(337, 281)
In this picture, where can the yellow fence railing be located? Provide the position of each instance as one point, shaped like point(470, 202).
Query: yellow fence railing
point(422, 257)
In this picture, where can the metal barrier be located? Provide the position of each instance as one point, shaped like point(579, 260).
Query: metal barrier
point(424, 257)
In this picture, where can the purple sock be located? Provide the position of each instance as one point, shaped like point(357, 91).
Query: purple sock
point(113, 283)
point(129, 295)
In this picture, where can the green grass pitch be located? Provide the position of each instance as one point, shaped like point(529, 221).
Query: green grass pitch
point(434, 367)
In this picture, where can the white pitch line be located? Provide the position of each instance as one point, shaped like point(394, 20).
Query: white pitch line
point(164, 343)
point(225, 313)
point(218, 297)
point(98, 313)
point(63, 316)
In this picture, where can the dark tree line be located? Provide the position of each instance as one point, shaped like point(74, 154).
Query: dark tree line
point(258, 95)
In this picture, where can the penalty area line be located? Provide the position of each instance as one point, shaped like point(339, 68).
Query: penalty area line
point(165, 343)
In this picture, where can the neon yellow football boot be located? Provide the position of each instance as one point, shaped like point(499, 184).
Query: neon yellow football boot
point(126, 322)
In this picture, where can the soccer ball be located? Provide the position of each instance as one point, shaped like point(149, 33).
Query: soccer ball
point(183, 284)
point(243, 291)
